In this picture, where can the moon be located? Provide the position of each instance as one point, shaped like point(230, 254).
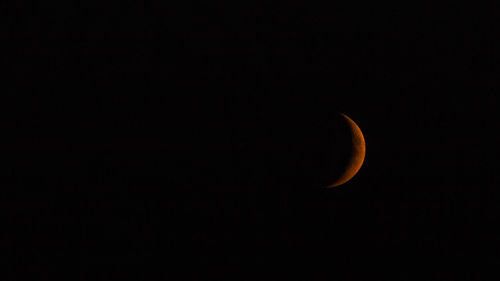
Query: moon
point(355, 149)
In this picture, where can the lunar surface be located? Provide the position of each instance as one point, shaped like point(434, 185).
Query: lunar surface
point(356, 153)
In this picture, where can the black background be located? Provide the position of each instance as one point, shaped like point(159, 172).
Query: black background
point(139, 139)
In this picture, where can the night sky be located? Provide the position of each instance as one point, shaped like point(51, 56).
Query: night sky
point(139, 139)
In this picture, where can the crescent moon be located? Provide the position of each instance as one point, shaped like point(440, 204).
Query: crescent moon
point(358, 150)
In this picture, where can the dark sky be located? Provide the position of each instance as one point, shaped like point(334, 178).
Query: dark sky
point(140, 138)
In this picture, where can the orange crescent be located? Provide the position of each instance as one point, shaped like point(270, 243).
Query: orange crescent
point(357, 155)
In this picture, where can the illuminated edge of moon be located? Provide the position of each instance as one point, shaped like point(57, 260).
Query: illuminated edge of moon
point(359, 151)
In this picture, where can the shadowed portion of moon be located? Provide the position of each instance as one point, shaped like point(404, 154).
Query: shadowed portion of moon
point(300, 152)
point(352, 147)
point(324, 151)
